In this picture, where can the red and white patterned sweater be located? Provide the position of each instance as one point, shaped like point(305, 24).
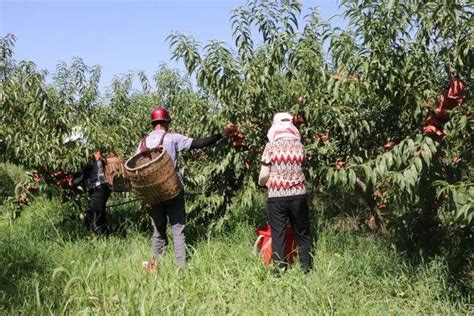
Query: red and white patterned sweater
point(285, 157)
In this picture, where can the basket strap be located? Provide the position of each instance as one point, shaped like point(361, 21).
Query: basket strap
point(143, 146)
point(162, 139)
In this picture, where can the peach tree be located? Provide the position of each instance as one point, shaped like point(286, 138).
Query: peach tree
point(364, 97)
point(362, 93)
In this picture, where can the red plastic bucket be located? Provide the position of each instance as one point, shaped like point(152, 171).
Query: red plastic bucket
point(263, 244)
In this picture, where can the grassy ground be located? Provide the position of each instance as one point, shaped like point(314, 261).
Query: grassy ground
point(48, 265)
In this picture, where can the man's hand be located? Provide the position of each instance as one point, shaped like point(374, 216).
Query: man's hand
point(230, 130)
point(97, 155)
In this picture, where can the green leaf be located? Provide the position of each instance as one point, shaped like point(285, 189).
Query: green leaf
point(418, 164)
point(336, 90)
point(352, 179)
point(330, 176)
point(342, 176)
point(366, 125)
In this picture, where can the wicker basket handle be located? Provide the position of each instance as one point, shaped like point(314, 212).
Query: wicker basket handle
point(255, 245)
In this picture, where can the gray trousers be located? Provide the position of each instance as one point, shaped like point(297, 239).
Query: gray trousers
point(174, 210)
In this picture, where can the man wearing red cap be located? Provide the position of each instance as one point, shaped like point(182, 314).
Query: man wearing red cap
point(174, 209)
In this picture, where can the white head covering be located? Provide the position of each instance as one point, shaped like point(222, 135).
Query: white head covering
point(282, 127)
point(77, 135)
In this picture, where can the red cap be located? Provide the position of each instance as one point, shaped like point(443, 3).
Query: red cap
point(160, 114)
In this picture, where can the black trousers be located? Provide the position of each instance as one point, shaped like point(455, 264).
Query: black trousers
point(292, 210)
point(96, 220)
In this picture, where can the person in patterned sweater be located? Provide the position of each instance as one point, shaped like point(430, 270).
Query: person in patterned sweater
point(282, 174)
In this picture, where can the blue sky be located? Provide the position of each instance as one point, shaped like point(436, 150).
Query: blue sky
point(118, 35)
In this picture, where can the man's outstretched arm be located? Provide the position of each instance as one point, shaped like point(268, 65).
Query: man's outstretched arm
point(211, 140)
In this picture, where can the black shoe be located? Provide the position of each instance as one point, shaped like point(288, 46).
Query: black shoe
point(306, 270)
point(278, 269)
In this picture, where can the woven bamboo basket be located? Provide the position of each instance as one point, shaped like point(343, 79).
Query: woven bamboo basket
point(116, 176)
point(153, 175)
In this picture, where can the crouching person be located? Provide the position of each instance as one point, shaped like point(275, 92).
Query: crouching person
point(282, 174)
point(172, 210)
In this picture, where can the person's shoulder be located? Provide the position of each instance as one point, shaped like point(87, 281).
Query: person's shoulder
point(283, 142)
point(287, 142)
point(270, 144)
point(176, 136)
point(154, 133)
point(292, 141)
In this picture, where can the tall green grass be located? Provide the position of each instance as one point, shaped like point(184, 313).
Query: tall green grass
point(49, 265)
